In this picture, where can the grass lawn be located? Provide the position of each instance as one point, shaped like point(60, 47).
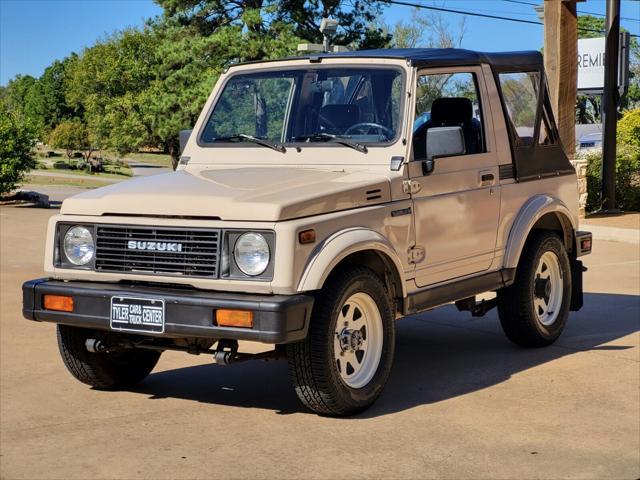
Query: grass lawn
point(154, 158)
point(121, 173)
point(85, 181)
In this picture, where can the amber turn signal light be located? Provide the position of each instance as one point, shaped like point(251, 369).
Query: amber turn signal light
point(60, 303)
point(234, 318)
point(307, 236)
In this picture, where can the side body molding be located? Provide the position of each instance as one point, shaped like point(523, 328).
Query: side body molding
point(534, 209)
point(337, 247)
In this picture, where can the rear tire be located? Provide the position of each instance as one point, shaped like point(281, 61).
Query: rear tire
point(342, 366)
point(105, 370)
point(534, 309)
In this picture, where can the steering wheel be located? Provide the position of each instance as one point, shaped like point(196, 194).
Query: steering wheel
point(386, 131)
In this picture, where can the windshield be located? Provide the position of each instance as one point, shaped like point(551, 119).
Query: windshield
point(308, 105)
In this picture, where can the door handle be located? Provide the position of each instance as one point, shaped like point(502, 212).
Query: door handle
point(486, 178)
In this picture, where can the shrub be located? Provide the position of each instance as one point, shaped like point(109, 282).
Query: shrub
point(629, 129)
point(627, 178)
point(65, 165)
point(16, 143)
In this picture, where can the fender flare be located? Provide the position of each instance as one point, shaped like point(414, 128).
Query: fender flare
point(337, 247)
point(534, 209)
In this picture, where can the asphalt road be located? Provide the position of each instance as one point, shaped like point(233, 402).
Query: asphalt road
point(462, 402)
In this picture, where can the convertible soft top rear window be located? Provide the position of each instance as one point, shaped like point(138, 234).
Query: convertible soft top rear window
point(308, 105)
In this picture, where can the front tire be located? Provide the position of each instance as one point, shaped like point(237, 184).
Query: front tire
point(105, 370)
point(342, 366)
point(534, 309)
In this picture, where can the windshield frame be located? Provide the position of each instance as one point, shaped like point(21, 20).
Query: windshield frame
point(293, 99)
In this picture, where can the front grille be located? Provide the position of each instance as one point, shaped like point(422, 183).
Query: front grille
point(198, 255)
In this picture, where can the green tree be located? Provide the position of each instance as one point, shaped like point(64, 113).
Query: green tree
point(41, 101)
point(106, 82)
point(188, 65)
point(16, 143)
point(70, 135)
point(303, 16)
point(52, 89)
point(22, 97)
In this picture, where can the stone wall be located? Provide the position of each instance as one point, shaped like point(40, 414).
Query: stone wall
point(581, 170)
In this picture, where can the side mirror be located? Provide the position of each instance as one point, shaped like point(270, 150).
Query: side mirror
point(184, 138)
point(442, 142)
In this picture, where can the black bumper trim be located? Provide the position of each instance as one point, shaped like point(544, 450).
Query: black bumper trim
point(189, 313)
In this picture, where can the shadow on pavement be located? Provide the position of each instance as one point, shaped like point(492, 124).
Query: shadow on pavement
point(440, 354)
point(145, 165)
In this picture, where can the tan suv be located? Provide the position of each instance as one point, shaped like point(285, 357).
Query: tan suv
point(318, 200)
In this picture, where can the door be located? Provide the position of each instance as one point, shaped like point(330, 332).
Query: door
point(457, 204)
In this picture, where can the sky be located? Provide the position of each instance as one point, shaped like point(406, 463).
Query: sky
point(33, 33)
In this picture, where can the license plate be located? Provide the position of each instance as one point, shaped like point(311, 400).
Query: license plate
point(137, 314)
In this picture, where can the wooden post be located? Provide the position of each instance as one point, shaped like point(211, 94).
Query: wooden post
point(561, 65)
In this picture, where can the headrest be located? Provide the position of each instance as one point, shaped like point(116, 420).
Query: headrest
point(339, 116)
point(451, 111)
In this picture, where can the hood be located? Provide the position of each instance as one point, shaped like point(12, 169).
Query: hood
point(248, 193)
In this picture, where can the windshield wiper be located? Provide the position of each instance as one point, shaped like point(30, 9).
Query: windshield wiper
point(334, 138)
point(250, 138)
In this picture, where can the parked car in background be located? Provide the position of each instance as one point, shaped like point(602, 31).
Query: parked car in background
point(590, 140)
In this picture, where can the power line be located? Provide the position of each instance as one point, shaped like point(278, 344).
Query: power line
point(520, 2)
point(484, 15)
point(461, 12)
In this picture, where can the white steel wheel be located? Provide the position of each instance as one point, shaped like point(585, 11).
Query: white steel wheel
point(534, 309)
point(358, 339)
point(548, 289)
point(342, 365)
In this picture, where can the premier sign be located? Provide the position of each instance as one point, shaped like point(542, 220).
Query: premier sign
point(591, 63)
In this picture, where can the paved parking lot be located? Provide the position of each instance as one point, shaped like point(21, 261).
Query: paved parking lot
point(461, 402)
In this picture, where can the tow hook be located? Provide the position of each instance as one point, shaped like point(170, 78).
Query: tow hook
point(226, 352)
point(95, 345)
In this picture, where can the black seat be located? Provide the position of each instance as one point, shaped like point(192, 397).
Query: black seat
point(337, 118)
point(450, 112)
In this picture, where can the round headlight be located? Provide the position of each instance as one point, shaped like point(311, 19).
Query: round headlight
point(78, 246)
point(252, 253)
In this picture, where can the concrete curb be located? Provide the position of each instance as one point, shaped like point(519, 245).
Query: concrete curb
point(613, 234)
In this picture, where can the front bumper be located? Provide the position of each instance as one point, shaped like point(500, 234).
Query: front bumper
point(189, 312)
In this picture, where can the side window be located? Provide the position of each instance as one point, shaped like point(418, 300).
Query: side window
point(520, 94)
point(548, 132)
point(448, 100)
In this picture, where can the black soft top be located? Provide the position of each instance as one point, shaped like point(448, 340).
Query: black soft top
point(435, 57)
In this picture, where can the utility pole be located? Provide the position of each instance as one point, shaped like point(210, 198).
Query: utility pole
point(610, 107)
